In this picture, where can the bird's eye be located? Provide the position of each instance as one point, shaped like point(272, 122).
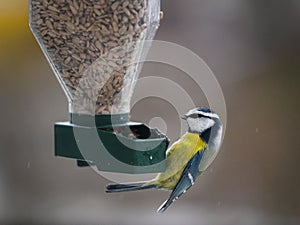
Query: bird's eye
point(194, 116)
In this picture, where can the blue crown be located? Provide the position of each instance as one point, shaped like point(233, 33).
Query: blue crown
point(205, 110)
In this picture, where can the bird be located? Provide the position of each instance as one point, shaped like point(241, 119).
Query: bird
point(186, 159)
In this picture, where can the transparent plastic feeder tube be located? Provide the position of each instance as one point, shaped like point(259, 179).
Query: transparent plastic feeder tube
point(93, 48)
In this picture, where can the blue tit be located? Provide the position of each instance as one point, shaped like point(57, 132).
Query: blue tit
point(186, 159)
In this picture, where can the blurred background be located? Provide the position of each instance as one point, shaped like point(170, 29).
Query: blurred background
point(252, 46)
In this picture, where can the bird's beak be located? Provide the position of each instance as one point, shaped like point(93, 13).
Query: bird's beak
point(184, 117)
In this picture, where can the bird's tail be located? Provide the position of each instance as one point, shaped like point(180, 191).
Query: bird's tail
point(112, 188)
point(164, 206)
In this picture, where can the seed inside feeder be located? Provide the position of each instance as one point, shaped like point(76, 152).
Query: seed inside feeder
point(91, 46)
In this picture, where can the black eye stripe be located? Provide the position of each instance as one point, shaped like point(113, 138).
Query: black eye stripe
point(196, 115)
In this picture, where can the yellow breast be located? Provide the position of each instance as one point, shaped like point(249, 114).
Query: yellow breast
point(177, 157)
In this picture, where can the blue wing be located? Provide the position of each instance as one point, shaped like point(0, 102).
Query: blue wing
point(186, 180)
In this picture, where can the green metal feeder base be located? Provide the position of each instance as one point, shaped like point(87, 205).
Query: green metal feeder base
point(124, 147)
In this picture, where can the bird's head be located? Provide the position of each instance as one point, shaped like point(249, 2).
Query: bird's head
point(200, 119)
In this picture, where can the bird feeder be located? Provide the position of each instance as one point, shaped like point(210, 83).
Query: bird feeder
point(94, 48)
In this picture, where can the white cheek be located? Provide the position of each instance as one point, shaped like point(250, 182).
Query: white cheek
point(199, 124)
point(206, 123)
point(192, 124)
